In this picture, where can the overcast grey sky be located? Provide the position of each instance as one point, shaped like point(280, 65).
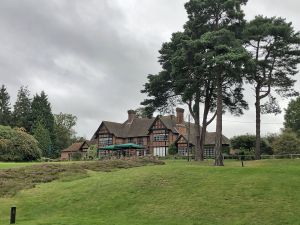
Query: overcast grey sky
point(92, 57)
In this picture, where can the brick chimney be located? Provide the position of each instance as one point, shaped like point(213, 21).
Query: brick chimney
point(179, 116)
point(131, 115)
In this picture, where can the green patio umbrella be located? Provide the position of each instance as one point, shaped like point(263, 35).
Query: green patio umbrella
point(130, 146)
point(122, 146)
point(110, 148)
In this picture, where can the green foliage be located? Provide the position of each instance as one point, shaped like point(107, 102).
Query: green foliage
point(41, 112)
point(172, 150)
point(274, 46)
point(247, 143)
point(36, 117)
point(76, 156)
point(273, 68)
point(42, 135)
point(205, 57)
point(41, 115)
point(226, 150)
point(92, 152)
point(17, 145)
point(205, 15)
point(5, 113)
point(292, 116)
point(287, 143)
point(145, 112)
point(63, 131)
point(22, 110)
point(78, 139)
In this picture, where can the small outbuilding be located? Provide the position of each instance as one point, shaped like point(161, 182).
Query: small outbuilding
point(78, 148)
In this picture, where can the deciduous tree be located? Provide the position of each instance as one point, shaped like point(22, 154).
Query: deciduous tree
point(292, 116)
point(64, 131)
point(287, 143)
point(42, 135)
point(247, 142)
point(17, 145)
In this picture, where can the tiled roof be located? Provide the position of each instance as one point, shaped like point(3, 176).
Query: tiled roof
point(75, 147)
point(114, 128)
point(210, 137)
point(139, 127)
point(170, 122)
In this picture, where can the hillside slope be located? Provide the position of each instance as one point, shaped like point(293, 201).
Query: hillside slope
point(265, 192)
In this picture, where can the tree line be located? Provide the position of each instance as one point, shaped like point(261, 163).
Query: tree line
point(211, 60)
point(34, 116)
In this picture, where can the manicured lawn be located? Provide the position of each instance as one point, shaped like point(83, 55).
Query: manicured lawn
point(264, 192)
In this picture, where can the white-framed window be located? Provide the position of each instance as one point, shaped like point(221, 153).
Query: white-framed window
point(209, 152)
point(182, 151)
point(160, 137)
point(105, 139)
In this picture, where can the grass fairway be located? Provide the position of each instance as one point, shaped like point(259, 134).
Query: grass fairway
point(264, 192)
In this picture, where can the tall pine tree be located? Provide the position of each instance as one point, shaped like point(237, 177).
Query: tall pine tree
point(223, 54)
point(22, 109)
point(41, 112)
point(42, 117)
point(274, 46)
point(203, 65)
point(5, 112)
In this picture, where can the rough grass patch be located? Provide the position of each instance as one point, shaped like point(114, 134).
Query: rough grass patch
point(14, 180)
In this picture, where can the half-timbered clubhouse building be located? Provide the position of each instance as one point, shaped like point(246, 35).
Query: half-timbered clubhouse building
point(155, 135)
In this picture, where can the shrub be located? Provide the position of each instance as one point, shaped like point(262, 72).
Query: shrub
point(17, 145)
point(226, 150)
point(245, 154)
point(92, 152)
point(287, 143)
point(172, 150)
point(76, 156)
point(247, 142)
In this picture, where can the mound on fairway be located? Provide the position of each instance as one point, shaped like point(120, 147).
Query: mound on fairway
point(13, 180)
point(263, 192)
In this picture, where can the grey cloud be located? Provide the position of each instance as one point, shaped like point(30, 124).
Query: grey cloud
point(92, 57)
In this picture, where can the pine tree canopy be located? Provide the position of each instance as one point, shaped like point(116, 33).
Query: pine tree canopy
point(5, 112)
point(22, 109)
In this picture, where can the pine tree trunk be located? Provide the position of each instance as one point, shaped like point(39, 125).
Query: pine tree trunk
point(203, 131)
point(218, 144)
point(197, 147)
point(197, 128)
point(258, 120)
point(202, 141)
